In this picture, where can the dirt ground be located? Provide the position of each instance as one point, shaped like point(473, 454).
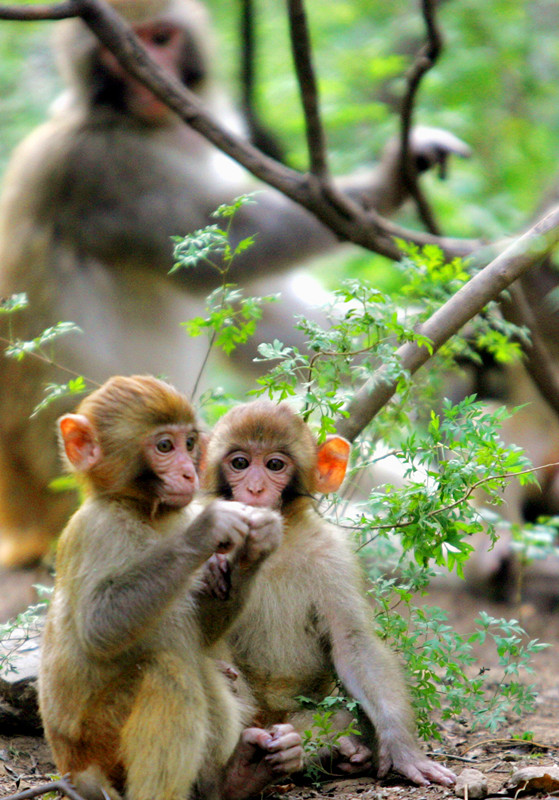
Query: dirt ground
point(25, 761)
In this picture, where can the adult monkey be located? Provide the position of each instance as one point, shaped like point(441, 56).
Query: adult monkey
point(132, 699)
point(90, 202)
point(306, 618)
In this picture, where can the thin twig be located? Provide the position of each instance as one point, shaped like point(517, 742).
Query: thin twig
point(424, 62)
point(51, 363)
point(436, 511)
point(525, 742)
point(62, 785)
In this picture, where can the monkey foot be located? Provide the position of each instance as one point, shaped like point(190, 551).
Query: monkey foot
point(351, 757)
point(262, 757)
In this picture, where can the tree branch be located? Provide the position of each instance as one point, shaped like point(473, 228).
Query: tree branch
point(424, 62)
point(447, 320)
point(33, 13)
point(301, 48)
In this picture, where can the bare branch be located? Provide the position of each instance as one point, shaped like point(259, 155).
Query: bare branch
point(447, 320)
point(301, 48)
point(424, 62)
point(260, 134)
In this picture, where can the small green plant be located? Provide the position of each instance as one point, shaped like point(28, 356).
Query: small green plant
point(320, 741)
point(24, 628)
point(41, 348)
point(231, 318)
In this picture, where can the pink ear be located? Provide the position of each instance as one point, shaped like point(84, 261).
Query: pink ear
point(331, 465)
point(78, 436)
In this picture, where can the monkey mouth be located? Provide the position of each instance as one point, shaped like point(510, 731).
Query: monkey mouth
point(178, 499)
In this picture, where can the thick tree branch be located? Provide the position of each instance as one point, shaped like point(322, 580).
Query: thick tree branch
point(333, 208)
point(424, 62)
point(465, 304)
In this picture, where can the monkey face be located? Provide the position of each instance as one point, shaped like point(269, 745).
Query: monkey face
point(171, 453)
point(257, 476)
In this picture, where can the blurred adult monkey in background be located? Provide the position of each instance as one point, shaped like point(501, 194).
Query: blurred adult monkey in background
point(306, 619)
point(90, 201)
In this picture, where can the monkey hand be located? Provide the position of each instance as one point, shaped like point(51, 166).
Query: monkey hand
point(216, 577)
point(431, 147)
point(265, 536)
point(262, 757)
point(408, 760)
point(221, 527)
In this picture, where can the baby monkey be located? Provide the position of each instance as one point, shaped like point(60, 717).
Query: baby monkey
point(133, 702)
point(307, 619)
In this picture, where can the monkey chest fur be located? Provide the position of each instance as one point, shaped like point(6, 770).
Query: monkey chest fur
point(281, 641)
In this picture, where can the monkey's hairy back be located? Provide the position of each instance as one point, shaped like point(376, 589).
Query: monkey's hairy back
point(282, 640)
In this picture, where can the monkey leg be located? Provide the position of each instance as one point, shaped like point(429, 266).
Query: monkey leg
point(164, 740)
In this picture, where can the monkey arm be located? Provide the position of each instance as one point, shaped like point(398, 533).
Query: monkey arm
point(217, 611)
point(370, 673)
point(126, 585)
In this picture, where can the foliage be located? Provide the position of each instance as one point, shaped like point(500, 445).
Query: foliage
point(444, 671)
point(22, 629)
point(324, 735)
point(230, 317)
point(41, 347)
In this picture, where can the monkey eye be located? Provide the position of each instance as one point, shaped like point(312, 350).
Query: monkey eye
point(191, 442)
point(164, 445)
point(275, 464)
point(161, 36)
point(240, 462)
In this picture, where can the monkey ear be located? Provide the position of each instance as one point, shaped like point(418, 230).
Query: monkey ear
point(78, 438)
point(332, 459)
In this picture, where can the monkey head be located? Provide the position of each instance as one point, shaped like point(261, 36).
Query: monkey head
point(265, 455)
point(135, 438)
point(176, 34)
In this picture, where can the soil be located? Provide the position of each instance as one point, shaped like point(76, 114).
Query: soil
point(25, 761)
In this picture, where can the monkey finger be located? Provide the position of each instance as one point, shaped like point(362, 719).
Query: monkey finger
point(437, 773)
point(283, 737)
